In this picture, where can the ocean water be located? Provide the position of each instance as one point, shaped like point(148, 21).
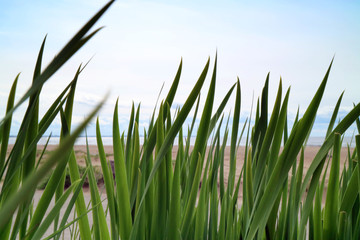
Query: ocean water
point(312, 141)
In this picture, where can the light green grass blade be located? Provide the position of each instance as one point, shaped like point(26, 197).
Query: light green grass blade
point(161, 192)
point(189, 210)
point(128, 146)
point(332, 195)
point(234, 134)
point(7, 124)
point(100, 224)
point(135, 164)
point(309, 199)
point(122, 191)
point(109, 185)
point(201, 210)
point(168, 160)
point(334, 115)
point(317, 216)
point(261, 123)
point(213, 222)
point(173, 224)
point(342, 225)
point(249, 183)
point(351, 192)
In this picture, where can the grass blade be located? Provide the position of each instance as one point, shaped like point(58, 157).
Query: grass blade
point(122, 191)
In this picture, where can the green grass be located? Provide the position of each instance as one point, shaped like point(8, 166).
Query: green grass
point(157, 196)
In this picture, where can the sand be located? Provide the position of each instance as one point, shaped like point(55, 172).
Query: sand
point(80, 151)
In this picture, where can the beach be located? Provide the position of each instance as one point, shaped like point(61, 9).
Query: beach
point(81, 152)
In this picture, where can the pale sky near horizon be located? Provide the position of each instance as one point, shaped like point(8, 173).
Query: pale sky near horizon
point(143, 41)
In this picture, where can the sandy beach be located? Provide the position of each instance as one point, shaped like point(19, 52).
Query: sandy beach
point(80, 152)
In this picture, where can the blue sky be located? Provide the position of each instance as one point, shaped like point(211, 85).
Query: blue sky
point(143, 41)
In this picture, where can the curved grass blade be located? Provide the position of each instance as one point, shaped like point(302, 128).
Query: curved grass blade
point(61, 58)
point(7, 124)
point(333, 117)
point(234, 134)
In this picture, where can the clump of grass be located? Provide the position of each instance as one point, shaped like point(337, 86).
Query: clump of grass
point(188, 198)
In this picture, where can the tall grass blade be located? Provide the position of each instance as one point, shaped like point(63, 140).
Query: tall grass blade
point(122, 190)
point(234, 134)
point(100, 224)
point(331, 205)
point(5, 128)
point(109, 185)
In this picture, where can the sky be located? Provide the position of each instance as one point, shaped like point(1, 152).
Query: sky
point(142, 43)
